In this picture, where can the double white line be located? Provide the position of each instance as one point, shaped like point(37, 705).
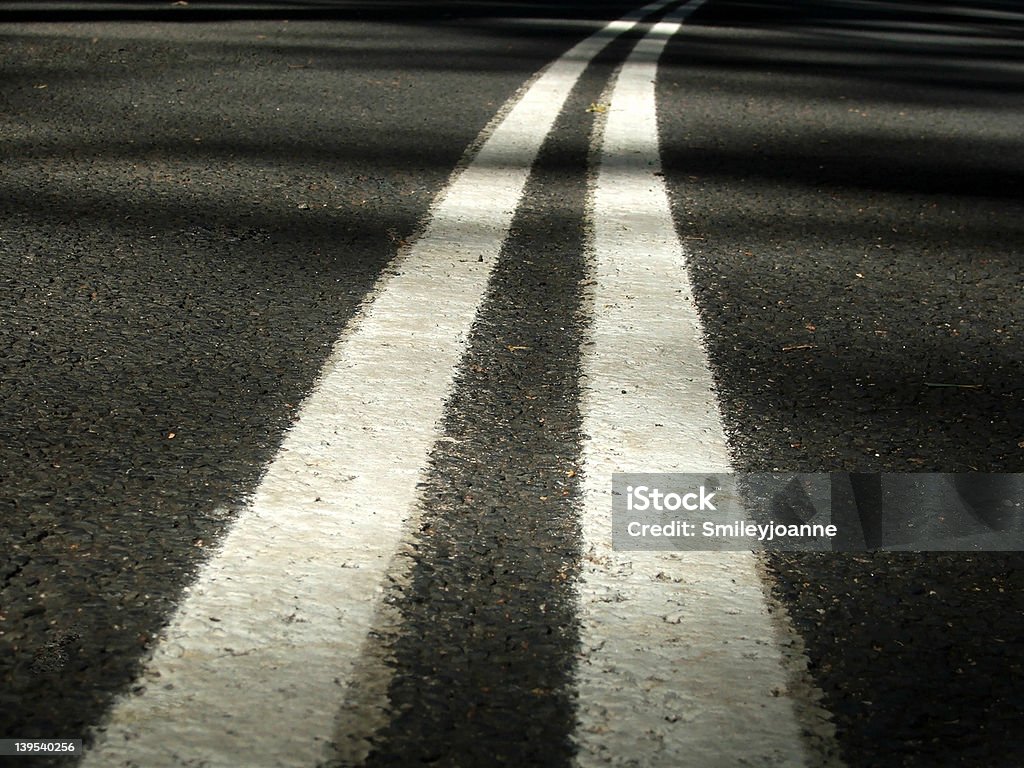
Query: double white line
point(257, 661)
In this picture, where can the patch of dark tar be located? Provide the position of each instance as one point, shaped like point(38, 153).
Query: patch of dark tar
point(919, 656)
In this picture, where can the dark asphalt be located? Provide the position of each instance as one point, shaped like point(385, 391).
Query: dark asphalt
point(850, 179)
point(194, 200)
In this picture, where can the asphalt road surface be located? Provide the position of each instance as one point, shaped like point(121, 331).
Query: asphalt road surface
point(324, 325)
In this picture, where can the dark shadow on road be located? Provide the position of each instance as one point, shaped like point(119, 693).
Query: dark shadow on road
point(327, 10)
point(941, 49)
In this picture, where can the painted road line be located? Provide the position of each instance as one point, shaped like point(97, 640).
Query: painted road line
point(679, 662)
point(255, 662)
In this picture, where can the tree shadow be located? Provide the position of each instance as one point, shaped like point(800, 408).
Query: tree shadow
point(398, 11)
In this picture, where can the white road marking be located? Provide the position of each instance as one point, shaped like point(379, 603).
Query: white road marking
point(254, 664)
point(680, 665)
